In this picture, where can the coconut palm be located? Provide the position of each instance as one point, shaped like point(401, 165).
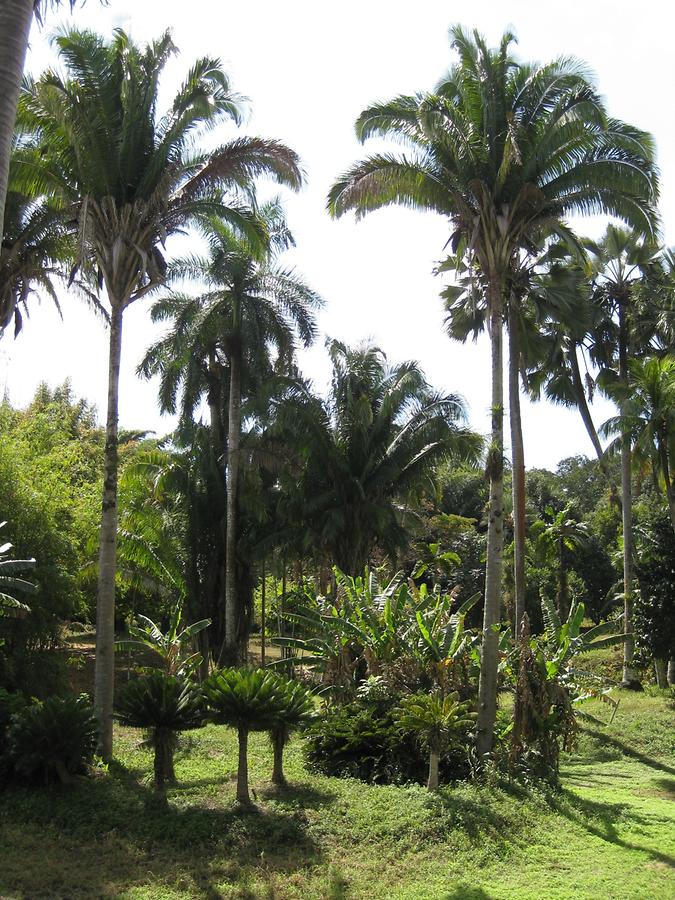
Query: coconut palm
point(557, 539)
point(130, 177)
point(505, 151)
point(249, 319)
point(248, 701)
point(365, 450)
point(164, 705)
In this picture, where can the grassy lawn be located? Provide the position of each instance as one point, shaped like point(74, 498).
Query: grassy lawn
point(609, 833)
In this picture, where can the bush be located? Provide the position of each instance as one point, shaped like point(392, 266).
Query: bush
point(10, 705)
point(56, 737)
point(367, 741)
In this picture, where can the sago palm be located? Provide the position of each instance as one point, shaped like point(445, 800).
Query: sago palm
point(164, 705)
point(93, 139)
point(296, 708)
point(505, 151)
point(248, 701)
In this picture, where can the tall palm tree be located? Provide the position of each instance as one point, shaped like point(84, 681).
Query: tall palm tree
point(249, 318)
point(505, 151)
point(130, 177)
point(363, 452)
point(622, 261)
point(16, 17)
point(648, 416)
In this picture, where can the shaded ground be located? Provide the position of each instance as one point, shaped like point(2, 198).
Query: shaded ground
point(609, 833)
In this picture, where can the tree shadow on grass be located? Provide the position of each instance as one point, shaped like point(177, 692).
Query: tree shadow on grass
point(299, 794)
point(106, 835)
point(466, 892)
point(600, 819)
point(606, 741)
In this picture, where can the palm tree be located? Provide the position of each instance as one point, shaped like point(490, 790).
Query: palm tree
point(437, 719)
point(505, 151)
point(621, 261)
point(16, 17)
point(33, 251)
point(557, 539)
point(164, 705)
point(248, 318)
point(363, 452)
point(296, 708)
point(648, 416)
point(130, 178)
point(248, 701)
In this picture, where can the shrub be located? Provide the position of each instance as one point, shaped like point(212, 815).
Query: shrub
point(55, 737)
point(367, 741)
point(10, 705)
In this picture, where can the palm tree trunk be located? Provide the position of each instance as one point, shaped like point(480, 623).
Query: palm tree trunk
point(660, 670)
point(587, 419)
point(104, 679)
point(16, 17)
point(487, 687)
point(263, 616)
point(670, 672)
point(232, 611)
point(629, 678)
point(667, 480)
point(432, 780)
point(243, 795)
point(163, 766)
point(518, 473)
point(278, 741)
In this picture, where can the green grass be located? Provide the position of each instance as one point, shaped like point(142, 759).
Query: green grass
point(608, 833)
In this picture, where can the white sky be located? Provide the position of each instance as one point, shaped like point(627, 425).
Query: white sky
point(309, 68)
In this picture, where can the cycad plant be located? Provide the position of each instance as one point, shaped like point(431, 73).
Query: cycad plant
point(295, 708)
point(164, 705)
point(245, 699)
point(437, 719)
point(54, 737)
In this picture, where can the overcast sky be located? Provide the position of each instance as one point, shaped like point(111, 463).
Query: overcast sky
point(309, 68)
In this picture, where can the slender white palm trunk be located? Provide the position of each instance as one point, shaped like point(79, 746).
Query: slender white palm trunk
point(105, 606)
point(518, 473)
point(629, 677)
point(15, 21)
point(487, 687)
point(232, 616)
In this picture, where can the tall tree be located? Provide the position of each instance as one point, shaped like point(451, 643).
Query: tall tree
point(130, 177)
point(249, 318)
point(621, 261)
point(16, 17)
point(505, 151)
point(363, 454)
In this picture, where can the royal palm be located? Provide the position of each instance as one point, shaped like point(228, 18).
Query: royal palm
point(505, 151)
point(93, 138)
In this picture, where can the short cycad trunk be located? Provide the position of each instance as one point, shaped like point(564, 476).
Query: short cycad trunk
point(660, 669)
point(279, 738)
point(163, 740)
point(432, 781)
point(243, 795)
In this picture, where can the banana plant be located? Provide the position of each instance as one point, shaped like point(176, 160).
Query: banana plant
point(10, 607)
point(172, 646)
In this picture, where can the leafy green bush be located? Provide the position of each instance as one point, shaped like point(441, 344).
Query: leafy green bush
point(369, 742)
point(10, 705)
point(55, 737)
